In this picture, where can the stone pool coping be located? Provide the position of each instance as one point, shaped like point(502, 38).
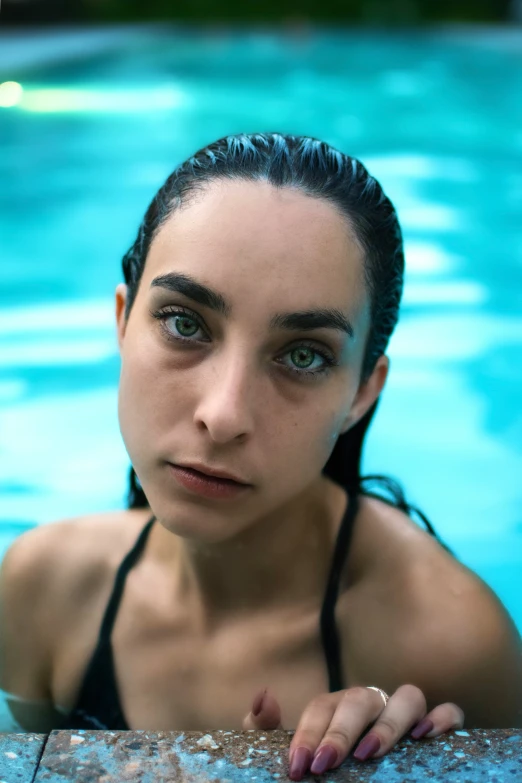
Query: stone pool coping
point(466, 756)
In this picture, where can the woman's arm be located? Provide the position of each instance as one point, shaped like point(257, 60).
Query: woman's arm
point(25, 627)
point(467, 650)
point(435, 624)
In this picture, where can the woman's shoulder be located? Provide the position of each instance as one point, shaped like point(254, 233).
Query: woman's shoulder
point(89, 535)
point(50, 577)
point(387, 544)
point(407, 562)
point(442, 597)
point(441, 625)
point(418, 593)
point(64, 561)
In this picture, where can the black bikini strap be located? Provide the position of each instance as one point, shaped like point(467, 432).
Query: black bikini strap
point(329, 632)
point(119, 582)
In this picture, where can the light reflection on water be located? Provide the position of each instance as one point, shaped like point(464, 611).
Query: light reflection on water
point(437, 119)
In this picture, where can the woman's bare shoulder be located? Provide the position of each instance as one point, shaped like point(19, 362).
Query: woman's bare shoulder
point(418, 593)
point(94, 531)
point(442, 627)
point(435, 590)
point(50, 576)
point(66, 558)
point(391, 542)
point(386, 542)
point(408, 562)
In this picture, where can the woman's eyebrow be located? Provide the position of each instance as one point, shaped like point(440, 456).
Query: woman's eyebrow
point(322, 318)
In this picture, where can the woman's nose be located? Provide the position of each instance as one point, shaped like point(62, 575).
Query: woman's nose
point(226, 405)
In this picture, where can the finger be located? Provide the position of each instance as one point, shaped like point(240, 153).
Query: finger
point(310, 730)
point(444, 717)
point(405, 708)
point(265, 713)
point(329, 727)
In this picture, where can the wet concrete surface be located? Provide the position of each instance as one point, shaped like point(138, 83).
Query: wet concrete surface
point(472, 756)
point(19, 756)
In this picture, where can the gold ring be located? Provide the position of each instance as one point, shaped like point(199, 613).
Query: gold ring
point(384, 695)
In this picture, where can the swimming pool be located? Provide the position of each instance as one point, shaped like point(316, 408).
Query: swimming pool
point(100, 122)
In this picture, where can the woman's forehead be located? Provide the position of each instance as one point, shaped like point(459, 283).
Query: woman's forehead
point(252, 236)
point(246, 213)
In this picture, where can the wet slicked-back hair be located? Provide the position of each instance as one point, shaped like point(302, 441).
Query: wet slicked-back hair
point(319, 171)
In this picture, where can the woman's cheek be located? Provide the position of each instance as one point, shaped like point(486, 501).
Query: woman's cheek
point(135, 409)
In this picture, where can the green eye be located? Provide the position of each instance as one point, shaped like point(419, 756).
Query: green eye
point(181, 321)
point(303, 356)
point(297, 356)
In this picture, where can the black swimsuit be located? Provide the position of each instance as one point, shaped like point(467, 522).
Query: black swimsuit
point(98, 705)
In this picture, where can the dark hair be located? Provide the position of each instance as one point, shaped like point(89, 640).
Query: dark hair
point(320, 171)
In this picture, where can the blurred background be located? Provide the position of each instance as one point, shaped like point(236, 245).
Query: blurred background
point(100, 100)
point(370, 11)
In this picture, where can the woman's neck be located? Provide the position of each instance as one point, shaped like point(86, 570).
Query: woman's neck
point(280, 561)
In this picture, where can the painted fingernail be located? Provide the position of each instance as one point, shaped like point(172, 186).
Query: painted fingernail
point(422, 728)
point(258, 703)
point(324, 758)
point(367, 747)
point(300, 762)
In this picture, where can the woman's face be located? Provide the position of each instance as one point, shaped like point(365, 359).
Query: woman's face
point(232, 390)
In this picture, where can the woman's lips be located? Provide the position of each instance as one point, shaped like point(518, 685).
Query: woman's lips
point(207, 486)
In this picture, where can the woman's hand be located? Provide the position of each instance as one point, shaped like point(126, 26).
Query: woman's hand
point(332, 722)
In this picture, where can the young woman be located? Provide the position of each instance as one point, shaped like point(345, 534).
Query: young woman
point(254, 581)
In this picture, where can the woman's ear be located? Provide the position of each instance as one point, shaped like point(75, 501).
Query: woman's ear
point(367, 393)
point(121, 322)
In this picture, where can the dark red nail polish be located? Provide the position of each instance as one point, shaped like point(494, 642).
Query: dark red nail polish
point(324, 758)
point(300, 763)
point(367, 747)
point(422, 728)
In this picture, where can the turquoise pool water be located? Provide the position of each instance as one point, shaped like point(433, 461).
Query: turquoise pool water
point(104, 116)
